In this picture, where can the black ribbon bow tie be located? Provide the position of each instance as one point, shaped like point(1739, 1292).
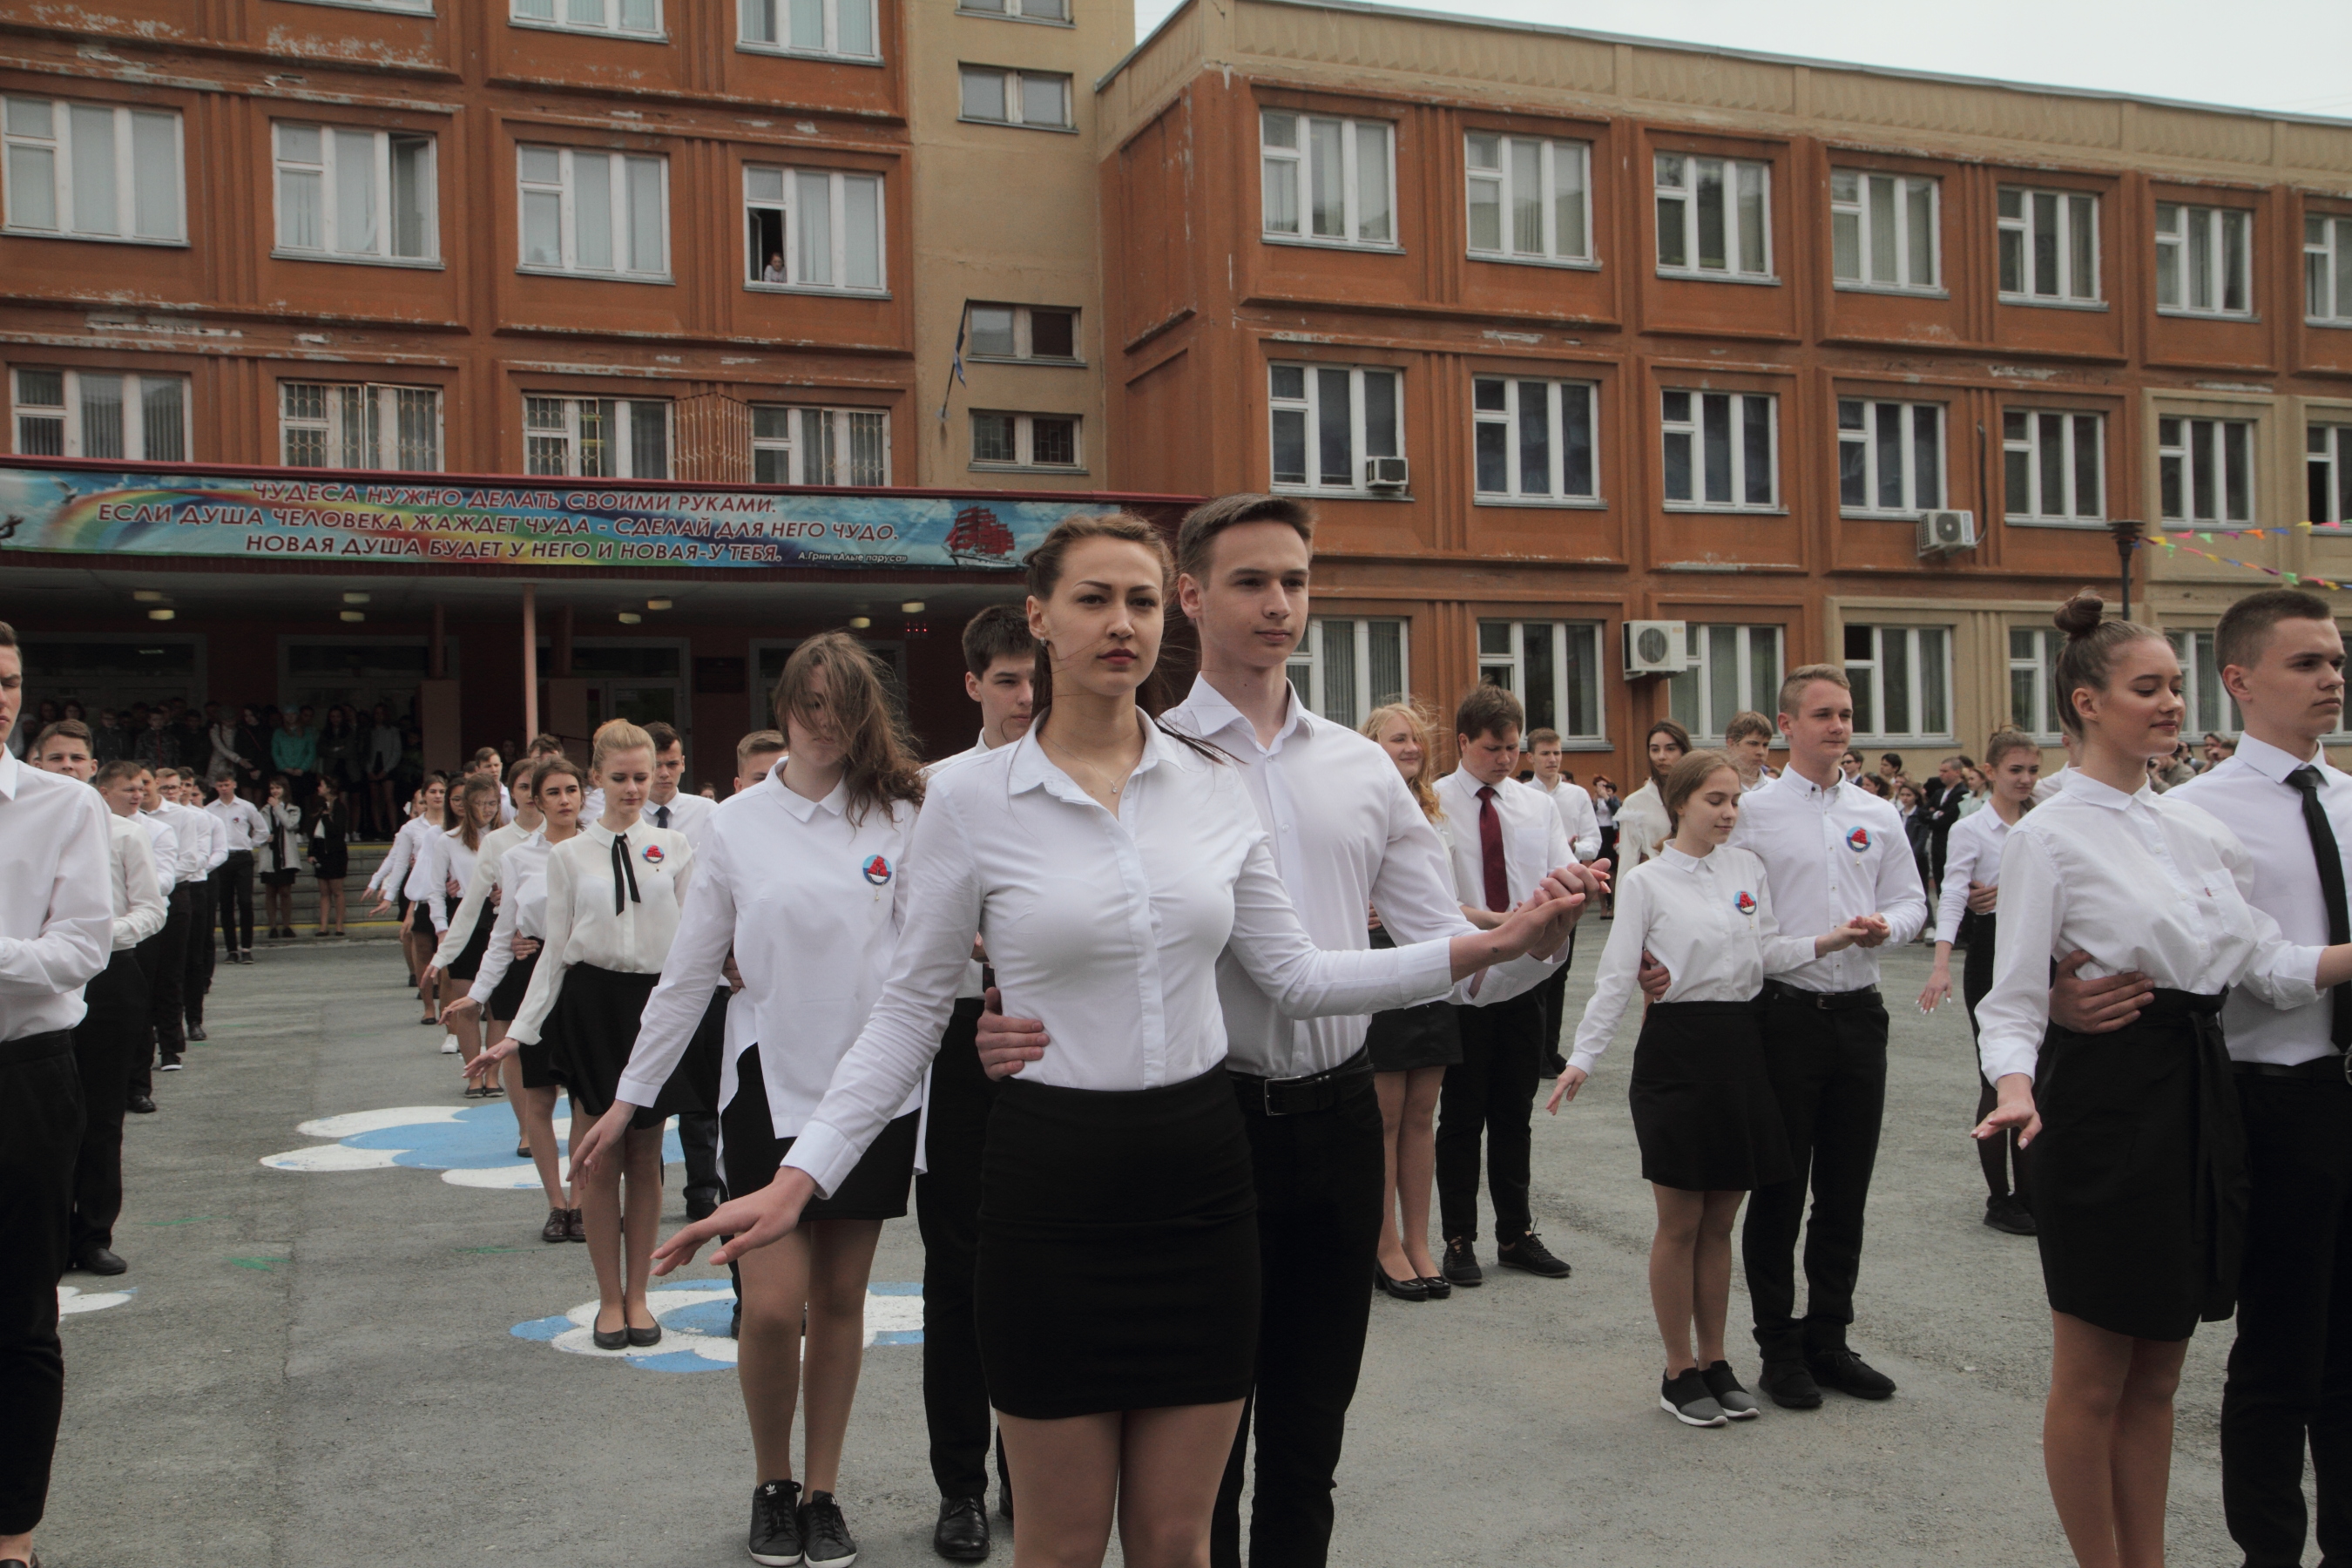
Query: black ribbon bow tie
point(624, 876)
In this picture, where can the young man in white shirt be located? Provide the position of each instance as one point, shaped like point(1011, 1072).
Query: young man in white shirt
point(665, 804)
point(204, 850)
point(56, 927)
point(1577, 815)
point(246, 830)
point(1748, 742)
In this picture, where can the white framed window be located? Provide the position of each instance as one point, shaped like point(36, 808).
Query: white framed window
point(94, 171)
point(839, 27)
point(1902, 679)
point(813, 229)
point(1534, 440)
point(593, 212)
point(1530, 199)
point(1327, 420)
point(641, 19)
point(1890, 455)
point(331, 425)
point(1715, 215)
point(2204, 259)
point(1000, 440)
point(1021, 332)
point(1885, 230)
point(2049, 246)
point(1554, 670)
point(1734, 669)
point(1328, 180)
point(820, 446)
point(1344, 667)
point(993, 96)
point(2327, 469)
point(413, 7)
point(596, 438)
point(101, 413)
point(2205, 469)
point(2327, 270)
point(1722, 450)
point(354, 196)
point(1018, 10)
point(2032, 690)
point(2211, 708)
point(2055, 464)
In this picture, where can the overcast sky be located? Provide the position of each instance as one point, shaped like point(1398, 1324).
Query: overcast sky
point(2285, 55)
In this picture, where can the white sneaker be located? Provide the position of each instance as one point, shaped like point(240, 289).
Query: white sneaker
point(449, 1045)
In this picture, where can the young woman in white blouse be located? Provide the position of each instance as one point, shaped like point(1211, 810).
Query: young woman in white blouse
point(449, 859)
point(614, 892)
point(1704, 1113)
point(2139, 1178)
point(804, 879)
point(401, 875)
point(1107, 862)
point(1971, 888)
point(274, 859)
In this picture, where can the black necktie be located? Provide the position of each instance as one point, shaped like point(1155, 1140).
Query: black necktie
point(661, 817)
point(624, 876)
point(2330, 859)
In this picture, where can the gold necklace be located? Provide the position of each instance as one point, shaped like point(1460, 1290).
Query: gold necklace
point(1072, 758)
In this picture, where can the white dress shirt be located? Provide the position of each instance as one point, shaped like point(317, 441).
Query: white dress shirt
point(1107, 927)
point(2049, 787)
point(445, 860)
point(138, 906)
point(1576, 815)
point(1708, 918)
point(1535, 841)
point(241, 821)
point(975, 979)
point(56, 921)
point(399, 860)
point(2137, 881)
point(582, 927)
point(811, 904)
point(1834, 854)
point(687, 812)
point(165, 840)
point(203, 843)
point(1642, 827)
point(519, 874)
point(1972, 854)
point(2250, 795)
point(461, 925)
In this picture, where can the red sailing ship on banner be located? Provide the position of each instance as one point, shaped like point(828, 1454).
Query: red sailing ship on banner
point(979, 539)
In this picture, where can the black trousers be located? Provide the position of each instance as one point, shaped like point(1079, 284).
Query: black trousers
point(232, 895)
point(2290, 1379)
point(947, 1210)
point(166, 964)
point(1829, 1073)
point(40, 1129)
point(1319, 1178)
point(1554, 992)
point(196, 970)
point(1490, 1093)
point(110, 1036)
point(698, 1135)
point(2005, 1165)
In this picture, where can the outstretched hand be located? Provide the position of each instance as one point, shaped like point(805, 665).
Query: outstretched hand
point(2015, 1108)
point(749, 1221)
point(1570, 1080)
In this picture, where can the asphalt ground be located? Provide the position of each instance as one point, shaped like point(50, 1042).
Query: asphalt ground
point(323, 1367)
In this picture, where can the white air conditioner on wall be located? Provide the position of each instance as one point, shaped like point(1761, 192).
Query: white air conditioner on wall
point(1940, 531)
point(1657, 647)
point(1385, 473)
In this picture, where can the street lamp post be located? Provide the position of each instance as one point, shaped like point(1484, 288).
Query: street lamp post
point(2127, 531)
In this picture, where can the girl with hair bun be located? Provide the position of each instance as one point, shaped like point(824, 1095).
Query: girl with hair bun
point(2139, 1179)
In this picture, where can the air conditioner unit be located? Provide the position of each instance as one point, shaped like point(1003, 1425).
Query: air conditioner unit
point(1940, 531)
point(1656, 647)
point(1385, 473)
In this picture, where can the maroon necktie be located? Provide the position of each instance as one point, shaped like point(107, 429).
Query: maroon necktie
point(1490, 851)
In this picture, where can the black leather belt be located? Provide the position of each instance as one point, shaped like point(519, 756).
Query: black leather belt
point(2335, 1069)
point(1298, 1096)
point(1826, 1001)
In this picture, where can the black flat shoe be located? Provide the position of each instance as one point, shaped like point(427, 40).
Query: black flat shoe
point(649, 1335)
point(1401, 1289)
point(522, 1151)
point(1438, 1287)
point(962, 1534)
point(611, 1339)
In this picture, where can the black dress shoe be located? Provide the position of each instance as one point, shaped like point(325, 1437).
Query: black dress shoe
point(1460, 1264)
point(1403, 1290)
point(609, 1338)
point(776, 1523)
point(648, 1335)
point(2009, 1215)
point(1438, 1286)
point(1788, 1385)
point(100, 1260)
point(1529, 1253)
point(1848, 1374)
point(196, 1034)
point(962, 1534)
point(139, 1104)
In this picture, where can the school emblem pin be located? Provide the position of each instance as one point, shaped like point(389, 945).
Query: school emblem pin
point(878, 871)
point(1858, 840)
point(653, 855)
point(1745, 903)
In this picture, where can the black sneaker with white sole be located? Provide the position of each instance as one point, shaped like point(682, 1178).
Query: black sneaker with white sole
point(1686, 1398)
point(1738, 1404)
point(824, 1535)
point(776, 1524)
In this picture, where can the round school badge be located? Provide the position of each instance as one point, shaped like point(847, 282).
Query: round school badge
point(878, 871)
point(1745, 903)
point(1858, 840)
point(653, 855)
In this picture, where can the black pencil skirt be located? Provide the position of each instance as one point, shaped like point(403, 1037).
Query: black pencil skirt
point(593, 1026)
point(1118, 1251)
point(1403, 1039)
point(875, 1187)
point(506, 1000)
point(1703, 1111)
point(2139, 1176)
point(468, 961)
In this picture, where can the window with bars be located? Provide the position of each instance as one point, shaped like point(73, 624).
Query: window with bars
point(1890, 457)
point(1021, 333)
point(2204, 259)
point(593, 212)
point(1024, 440)
point(596, 438)
point(994, 96)
point(2033, 692)
point(1345, 667)
point(331, 425)
point(101, 413)
point(1902, 679)
point(1328, 419)
point(93, 171)
point(842, 28)
point(1884, 230)
point(2327, 270)
point(1737, 669)
point(1554, 670)
point(2211, 710)
point(354, 196)
point(642, 19)
point(1713, 216)
point(1721, 450)
point(2327, 469)
point(2055, 466)
point(820, 446)
point(2049, 246)
point(1530, 199)
point(1325, 179)
point(813, 229)
point(2205, 469)
point(1534, 440)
